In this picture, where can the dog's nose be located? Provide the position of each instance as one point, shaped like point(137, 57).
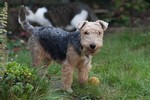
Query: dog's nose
point(92, 46)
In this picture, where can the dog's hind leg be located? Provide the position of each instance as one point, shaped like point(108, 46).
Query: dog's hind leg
point(40, 58)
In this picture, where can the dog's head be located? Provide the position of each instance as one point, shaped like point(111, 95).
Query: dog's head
point(91, 34)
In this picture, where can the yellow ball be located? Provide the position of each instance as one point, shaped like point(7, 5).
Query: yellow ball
point(94, 81)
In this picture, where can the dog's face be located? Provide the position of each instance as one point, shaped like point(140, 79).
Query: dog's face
point(91, 34)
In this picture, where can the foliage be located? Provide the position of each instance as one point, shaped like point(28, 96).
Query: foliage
point(17, 81)
point(3, 32)
point(14, 46)
point(125, 10)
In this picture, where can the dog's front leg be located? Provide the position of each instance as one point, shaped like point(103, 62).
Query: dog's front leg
point(67, 77)
point(83, 69)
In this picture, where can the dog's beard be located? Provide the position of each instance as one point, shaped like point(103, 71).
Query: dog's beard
point(88, 51)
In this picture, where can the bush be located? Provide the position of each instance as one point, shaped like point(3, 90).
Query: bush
point(17, 81)
point(129, 11)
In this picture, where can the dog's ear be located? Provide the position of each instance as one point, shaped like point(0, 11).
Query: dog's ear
point(81, 25)
point(103, 24)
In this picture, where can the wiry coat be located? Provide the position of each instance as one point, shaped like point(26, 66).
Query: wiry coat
point(55, 41)
point(71, 49)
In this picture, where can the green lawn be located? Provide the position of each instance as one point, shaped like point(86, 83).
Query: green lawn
point(122, 65)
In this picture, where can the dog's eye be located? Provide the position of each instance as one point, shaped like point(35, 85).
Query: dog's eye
point(86, 33)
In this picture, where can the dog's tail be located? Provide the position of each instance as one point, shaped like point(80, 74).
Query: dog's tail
point(23, 21)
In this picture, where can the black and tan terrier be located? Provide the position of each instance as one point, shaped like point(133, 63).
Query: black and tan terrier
point(70, 49)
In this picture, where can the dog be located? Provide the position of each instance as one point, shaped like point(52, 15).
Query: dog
point(70, 49)
point(65, 16)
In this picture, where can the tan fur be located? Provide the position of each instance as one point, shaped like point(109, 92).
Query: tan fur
point(84, 67)
point(94, 36)
point(38, 54)
point(90, 33)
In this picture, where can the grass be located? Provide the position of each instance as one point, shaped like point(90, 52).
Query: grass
point(122, 65)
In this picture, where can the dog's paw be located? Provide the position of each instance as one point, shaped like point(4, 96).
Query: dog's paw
point(69, 90)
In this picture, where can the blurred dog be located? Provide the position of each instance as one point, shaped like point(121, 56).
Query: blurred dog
point(66, 16)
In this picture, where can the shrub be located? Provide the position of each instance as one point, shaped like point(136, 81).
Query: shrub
point(126, 11)
point(17, 81)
